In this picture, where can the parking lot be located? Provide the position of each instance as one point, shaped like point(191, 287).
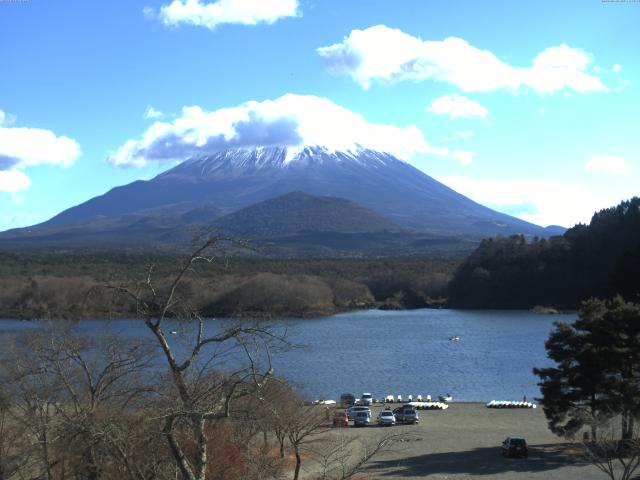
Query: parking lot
point(464, 441)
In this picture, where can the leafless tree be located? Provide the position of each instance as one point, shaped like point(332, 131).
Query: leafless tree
point(278, 404)
point(75, 396)
point(15, 448)
point(616, 458)
point(32, 409)
point(209, 369)
point(342, 456)
point(303, 427)
point(102, 406)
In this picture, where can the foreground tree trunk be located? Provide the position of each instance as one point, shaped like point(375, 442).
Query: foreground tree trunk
point(204, 393)
point(296, 473)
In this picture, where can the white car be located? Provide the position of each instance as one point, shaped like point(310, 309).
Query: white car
point(366, 399)
point(386, 418)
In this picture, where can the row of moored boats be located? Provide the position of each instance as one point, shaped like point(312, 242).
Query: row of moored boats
point(427, 399)
point(509, 404)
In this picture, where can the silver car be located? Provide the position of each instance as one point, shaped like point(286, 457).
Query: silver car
point(386, 418)
point(406, 414)
point(362, 419)
point(351, 412)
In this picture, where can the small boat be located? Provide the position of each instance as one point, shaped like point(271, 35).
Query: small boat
point(454, 338)
point(173, 332)
point(445, 398)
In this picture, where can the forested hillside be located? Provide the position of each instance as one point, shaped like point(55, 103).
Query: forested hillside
point(70, 285)
point(596, 260)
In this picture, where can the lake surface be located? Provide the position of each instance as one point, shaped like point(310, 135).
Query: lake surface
point(400, 352)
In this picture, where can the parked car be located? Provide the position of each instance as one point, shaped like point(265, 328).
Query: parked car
point(340, 418)
point(386, 418)
point(362, 419)
point(351, 412)
point(406, 414)
point(366, 399)
point(515, 447)
point(347, 400)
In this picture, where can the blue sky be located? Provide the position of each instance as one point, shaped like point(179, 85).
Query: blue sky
point(528, 107)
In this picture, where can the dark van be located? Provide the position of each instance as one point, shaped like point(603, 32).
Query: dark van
point(347, 400)
point(515, 447)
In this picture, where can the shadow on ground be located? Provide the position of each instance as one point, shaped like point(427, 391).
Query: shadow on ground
point(480, 461)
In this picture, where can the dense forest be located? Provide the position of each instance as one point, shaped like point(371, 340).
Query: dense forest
point(601, 259)
point(71, 284)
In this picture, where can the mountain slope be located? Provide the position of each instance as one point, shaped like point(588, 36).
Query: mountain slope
point(299, 212)
point(292, 225)
point(234, 179)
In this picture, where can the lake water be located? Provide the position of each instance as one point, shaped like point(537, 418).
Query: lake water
point(402, 352)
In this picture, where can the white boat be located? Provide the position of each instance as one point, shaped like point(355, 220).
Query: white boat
point(509, 404)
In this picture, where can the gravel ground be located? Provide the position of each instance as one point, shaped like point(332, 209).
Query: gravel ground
point(464, 441)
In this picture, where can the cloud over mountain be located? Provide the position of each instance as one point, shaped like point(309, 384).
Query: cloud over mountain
point(457, 106)
point(609, 164)
point(21, 148)
point(464, 157)
point(212, 14)
point(542, 202)
point(386, 54)
point(290, 120)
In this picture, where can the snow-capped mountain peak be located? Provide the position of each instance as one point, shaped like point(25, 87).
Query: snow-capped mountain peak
point(236, 178)
point(280, 157)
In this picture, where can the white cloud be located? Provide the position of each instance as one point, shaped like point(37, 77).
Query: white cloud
point(149, 13)
point(460, 135)
point(386, 54)
point(212, 14)
point(457, 106)
point(608, 163)
point(13, 181)
point(290, 120)
point(26, 147)
point(537, 201)
point(21, 148)
point(6, 119)
point(617, 68)
point(151, 113)
point(464, 157)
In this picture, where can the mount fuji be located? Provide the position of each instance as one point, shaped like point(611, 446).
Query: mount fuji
point(214, 189)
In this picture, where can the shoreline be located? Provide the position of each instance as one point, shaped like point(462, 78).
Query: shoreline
point(425, 362)
point(256, 315)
